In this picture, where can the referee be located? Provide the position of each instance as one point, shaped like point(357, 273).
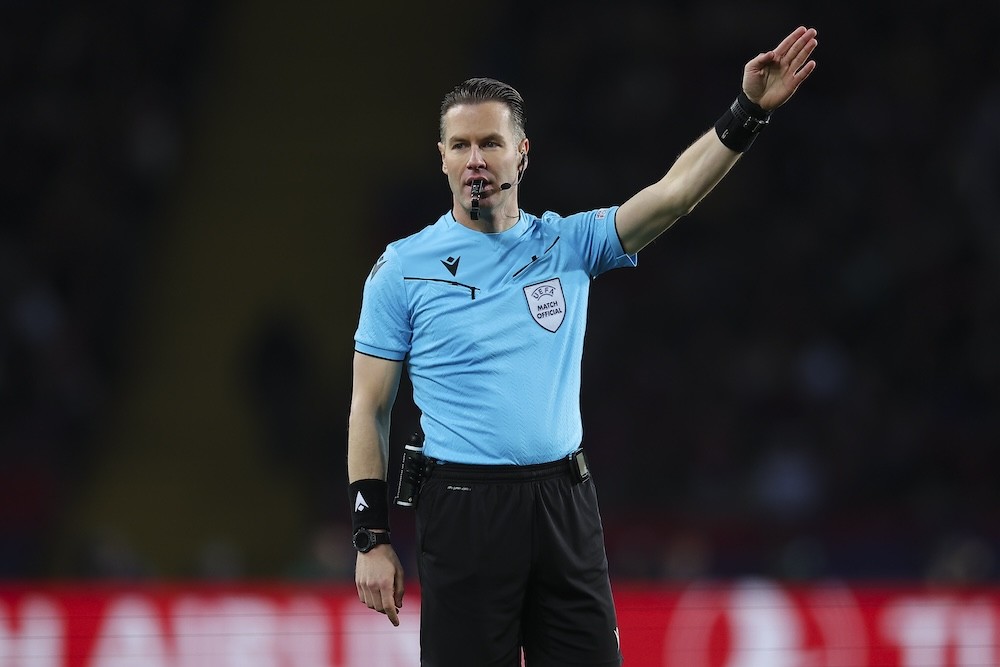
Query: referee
point(486, 308)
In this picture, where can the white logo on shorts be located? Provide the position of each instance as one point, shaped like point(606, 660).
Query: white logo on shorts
point(546, 303)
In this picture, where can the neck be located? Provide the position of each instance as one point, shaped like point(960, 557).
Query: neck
point(490, 221)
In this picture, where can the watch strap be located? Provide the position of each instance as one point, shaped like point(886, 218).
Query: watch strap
point(372, 539)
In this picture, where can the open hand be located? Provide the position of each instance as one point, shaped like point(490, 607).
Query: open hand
point(772, 78)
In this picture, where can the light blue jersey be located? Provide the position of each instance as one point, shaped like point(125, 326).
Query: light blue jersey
point(491, 327)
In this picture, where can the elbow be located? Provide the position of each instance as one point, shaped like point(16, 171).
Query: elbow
point(683, 200)
point(682, 209)
point(676, 201)
point(368, 417)
point(675, 208)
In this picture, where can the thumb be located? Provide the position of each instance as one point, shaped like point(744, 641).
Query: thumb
point(398, 592)
point(761, 61)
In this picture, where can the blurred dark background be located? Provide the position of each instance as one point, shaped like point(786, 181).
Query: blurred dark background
point(800, 380)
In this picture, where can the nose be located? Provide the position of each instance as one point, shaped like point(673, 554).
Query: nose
point(476, 160)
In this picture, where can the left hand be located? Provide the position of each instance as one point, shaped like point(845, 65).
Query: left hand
point(772, 78)
point(378, 576)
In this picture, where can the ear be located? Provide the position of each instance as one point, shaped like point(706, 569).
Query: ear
point(444, 166)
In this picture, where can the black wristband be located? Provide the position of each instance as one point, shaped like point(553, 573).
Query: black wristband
point(369, 504)
point(742, 122)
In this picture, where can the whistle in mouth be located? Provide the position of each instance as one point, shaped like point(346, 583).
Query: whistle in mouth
point(477, 191)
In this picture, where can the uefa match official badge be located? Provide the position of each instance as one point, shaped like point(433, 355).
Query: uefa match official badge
point(546, 303)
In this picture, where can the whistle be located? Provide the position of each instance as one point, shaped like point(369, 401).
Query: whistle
point(477, 191)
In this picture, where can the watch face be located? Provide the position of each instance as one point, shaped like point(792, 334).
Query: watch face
point(366, 539)
point(363, 540)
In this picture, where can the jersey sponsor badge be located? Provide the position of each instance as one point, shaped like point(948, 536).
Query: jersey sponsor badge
point(546, 303)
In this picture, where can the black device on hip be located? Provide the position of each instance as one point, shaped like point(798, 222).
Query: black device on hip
point(411, 472)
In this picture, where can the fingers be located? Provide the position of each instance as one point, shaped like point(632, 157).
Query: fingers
point(803, 72)
point(389, 608)
point(793, 51)
point(801, 48)
point(772, 77)
point(380, 584)
point(382, 600)
point(787, 42)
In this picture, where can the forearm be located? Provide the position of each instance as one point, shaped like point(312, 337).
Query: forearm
point(691, 177)
point(374, 392)
point(367, 447)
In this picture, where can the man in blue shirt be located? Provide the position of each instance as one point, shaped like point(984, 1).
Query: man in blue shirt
point(486, 308)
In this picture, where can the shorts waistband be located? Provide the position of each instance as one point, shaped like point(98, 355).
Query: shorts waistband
point(568, 465)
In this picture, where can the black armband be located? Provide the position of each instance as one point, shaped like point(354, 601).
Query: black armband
point(369, 504)
point(742, 122)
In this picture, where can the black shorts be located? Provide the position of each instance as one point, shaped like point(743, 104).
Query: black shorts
point(512, 558)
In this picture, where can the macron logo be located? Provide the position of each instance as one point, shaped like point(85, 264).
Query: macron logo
point(378, 265)
point(451, 264)
point(360, 504)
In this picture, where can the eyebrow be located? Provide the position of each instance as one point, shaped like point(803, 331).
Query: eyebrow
point(493, 136)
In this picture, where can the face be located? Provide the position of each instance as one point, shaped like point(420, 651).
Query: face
point(479, 143)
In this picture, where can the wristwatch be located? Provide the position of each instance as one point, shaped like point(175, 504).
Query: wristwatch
point(749, 114)
point(365, 540)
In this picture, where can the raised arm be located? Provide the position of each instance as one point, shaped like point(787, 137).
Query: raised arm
point(378, 573)
point(769, 80)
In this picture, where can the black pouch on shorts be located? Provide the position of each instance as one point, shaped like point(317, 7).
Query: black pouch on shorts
point(578, 466)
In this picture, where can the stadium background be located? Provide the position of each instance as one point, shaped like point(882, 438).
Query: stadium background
point(799, 381)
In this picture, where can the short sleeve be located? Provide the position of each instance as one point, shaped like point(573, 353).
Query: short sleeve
point(384, 328)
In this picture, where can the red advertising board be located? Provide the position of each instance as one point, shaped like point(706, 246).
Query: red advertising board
point(735, 624)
